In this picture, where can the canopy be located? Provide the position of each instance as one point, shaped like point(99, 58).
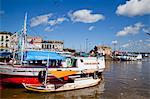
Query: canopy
point(60, 74)
point(42, 55)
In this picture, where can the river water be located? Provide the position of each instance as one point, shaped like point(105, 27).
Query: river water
point(122, 80)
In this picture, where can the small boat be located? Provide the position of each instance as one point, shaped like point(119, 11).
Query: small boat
point(77, 83)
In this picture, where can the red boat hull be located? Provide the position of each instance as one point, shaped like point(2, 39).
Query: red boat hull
point(15, 79)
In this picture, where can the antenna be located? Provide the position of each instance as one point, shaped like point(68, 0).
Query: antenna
point(25, 24)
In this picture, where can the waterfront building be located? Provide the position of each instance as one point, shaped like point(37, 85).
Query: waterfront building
point(9, 43)
point(52, 45)
point(5, 41)
point(105, 50)
point(69, 50)
point(34, 43)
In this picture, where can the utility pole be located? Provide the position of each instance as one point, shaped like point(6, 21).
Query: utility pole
point(86, 45)
point(114, 43)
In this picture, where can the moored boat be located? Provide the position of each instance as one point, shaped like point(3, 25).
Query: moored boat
point(68, 83)
point(78, 83)
point(29, 72)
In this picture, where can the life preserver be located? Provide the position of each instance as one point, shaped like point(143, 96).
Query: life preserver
point(41, 76)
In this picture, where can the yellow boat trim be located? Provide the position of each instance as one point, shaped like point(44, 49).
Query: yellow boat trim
point(35, 89)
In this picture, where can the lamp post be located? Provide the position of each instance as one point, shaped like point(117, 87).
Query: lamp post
point(86, 41)
point(114, 43)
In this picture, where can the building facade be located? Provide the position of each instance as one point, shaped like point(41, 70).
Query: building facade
point(53, 45)
point(105, 50)
point(5, 41)
point(34, 43)
point(9, 42)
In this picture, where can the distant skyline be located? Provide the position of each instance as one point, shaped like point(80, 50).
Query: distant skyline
point(77, 22)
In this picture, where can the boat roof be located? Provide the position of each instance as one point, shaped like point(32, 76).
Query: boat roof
point(43, 55)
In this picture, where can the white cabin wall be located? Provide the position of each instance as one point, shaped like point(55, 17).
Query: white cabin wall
point(101, 61)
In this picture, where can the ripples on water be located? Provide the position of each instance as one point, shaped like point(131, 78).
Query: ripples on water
point(122, 80)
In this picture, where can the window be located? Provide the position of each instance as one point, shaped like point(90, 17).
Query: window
point(2, 45)
point(2, 38)
point(50, 46)
point(42, 46)
point(47, 46)
point(6, 44)
point(6, 37)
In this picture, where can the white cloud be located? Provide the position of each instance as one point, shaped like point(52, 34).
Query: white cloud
point(42, 19)
point(146, 30)
point(132, 29)
point(114, 42)
point(148, 40)
point(91, 28)
point(85, 16)
point(140, 41)
point(148, 45)
point(48, 29)
point(57, 21)
point(134, 8)
point(126, 45)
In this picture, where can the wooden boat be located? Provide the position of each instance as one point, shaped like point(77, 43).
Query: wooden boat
point(77, 83)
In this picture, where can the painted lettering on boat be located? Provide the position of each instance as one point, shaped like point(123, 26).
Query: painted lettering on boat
point(91, 63)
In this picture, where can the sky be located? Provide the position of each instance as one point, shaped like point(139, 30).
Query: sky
point(121, 24)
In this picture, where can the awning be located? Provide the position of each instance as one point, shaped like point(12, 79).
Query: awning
point(42, 55)
point(59, 74)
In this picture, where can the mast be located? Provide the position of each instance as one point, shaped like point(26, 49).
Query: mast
point(23, 38)
point(46, 74)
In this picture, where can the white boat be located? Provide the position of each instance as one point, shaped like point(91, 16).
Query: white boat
point(78, 83)
point(129, 57)
point(28, 73)
point(139, 57)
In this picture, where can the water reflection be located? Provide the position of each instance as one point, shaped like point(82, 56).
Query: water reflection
point(91, 92)
point(128, 80)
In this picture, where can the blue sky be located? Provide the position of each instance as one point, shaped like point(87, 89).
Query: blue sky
point(74, 21)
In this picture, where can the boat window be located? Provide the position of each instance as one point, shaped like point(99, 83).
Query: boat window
point(52, 63)
point(37, 63)
point(74, 61)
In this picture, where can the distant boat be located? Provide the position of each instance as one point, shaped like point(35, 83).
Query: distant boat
point(128, 57)
point(139, 57)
